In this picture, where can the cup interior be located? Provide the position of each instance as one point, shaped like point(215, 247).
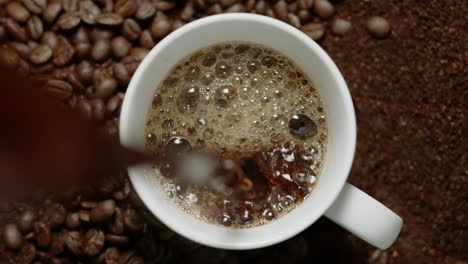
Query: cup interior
point(310, 57)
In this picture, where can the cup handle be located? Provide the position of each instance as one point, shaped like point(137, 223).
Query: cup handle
point(365, 217)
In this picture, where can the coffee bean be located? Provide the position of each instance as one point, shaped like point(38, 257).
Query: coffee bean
point(84, 214)
point(59, 89)
point(73, 242)
point(15, 30)
point(214, 10)
point(55, 215)
point(145, 10)
point(58, 242)
point(80, 35)
point(98, 109)
point(378, 27)
point(303, 15)
point(2, 33)
point(116, 240)
point(164, 5)
point(52, 11)
point(105, 87)
point(43, 234)
point(305, 4)
point(69, 20)
point(177, 24)
point(89, 11)
point(64, 51)
point(12, 236)
point(34, 27)
point(101, 34)
point(161, 26)
point(139, 53)
point(117, 226)
point(292, 7)
point(43, 69)
point(227, 3)
point(187, 12)
point(120, 46)
point(294, 20)
point(323, 8)
point(101, 50)
point(131, 29)
point(316, 31)
point(121, 74)
point(281, 9)
point(32, 6)
point(103, 211)
point(269, 12)
point(125, 8)
point(340, 26)
point(75, 82)
point(24, 69)
point(109, 19)
point(23, 50)
point(131, 63)
point(146, 40)
point(110, 256)
point(41, 54)
point(17, 11)
point(70, 5)
point(73, 220)
point(131, 219)
point(236, 8)
point(84, 71)
point(26, 220)
point(93, 242)
point(113, 103)
point(83, 49)
point(27, 254)
point(50, 39)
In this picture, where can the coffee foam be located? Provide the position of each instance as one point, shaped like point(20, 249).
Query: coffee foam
point(238, 98)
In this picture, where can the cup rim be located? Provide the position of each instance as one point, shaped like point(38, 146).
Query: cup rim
point(341, 84)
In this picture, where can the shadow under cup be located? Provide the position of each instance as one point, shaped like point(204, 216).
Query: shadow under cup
point(314, 62)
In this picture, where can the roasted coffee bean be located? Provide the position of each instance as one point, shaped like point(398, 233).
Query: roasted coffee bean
point(12, 236)
point(86, 110)
point(59, 89)
point(41, 54)
point(120, 47)
point(227, 3)
point(81, 35)
point(89, 11)
point(340, 26)
point(177, 24)
point(69, 20)
point(52, 11)
point(99, 109)
point(64, 52)
point(164, 5)
point(214, 10)
point(105, 87)
point(88, 204)
point(303, 15)
point(43, 69)
point(27, 254)
point(15, 30)
point(24, 69)
point(292, 7)
point(236, 8)
point(131, 219)
point(74, 80)
point(34, 6)
point(84, 71)
point(188, 11)
point(50, 38)
point(131, 29)
point(116, 240)
point(131, 63)
point(110, 256)
point(26, 220)
point(146, 40)
point(101, 50)
point(117, 226)
point(323, 8)
point(22, 49)
point(161, 26)
point(281, 10)
point(43, 234)
point(17, 11)
point(73, 220)
point(145, 10)
point(378, 27)
point(55, 215)
point(70, 5)
point(34, 27)
point(2, 33)
point(139, 53)
point(316, 31)
point(83, 49)
point(73, 242)
point(103, 211)
point(84, 214)
point(305, 4)
point(9, 57)
point(121, 74)
point(57, 244)
point(294, 20)
point(101, 34)
point(109, 19)
point(93, 242)
point(125, 8)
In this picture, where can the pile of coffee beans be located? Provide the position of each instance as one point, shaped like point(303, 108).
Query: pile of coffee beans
point(85, 52)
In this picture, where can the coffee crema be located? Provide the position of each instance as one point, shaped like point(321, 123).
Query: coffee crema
point(253, 112)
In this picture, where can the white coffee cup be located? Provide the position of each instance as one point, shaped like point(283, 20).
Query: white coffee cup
point(333, 196)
